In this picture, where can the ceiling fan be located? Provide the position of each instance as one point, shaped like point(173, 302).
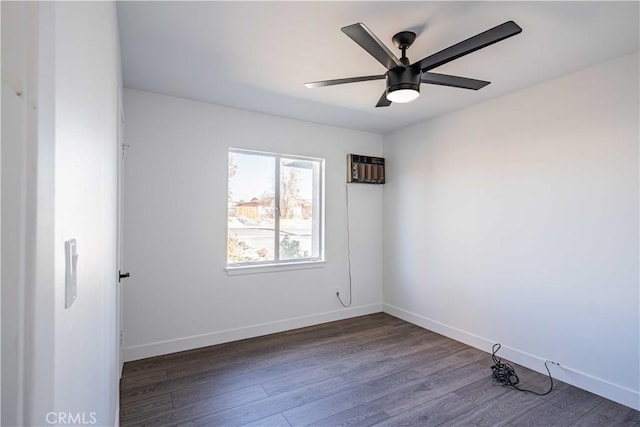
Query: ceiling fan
point(404, 78)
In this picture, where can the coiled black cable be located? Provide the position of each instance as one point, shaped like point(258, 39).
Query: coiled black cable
point(506, 375)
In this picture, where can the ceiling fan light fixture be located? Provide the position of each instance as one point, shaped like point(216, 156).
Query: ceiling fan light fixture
point(403, 84)
point(402, 95)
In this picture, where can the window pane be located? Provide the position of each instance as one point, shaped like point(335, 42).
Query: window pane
point(273, 196)
point(298, 195)
point(251, 229)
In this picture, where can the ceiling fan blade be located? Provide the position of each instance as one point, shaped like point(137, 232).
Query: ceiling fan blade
point(453, 81)
point(360, 34)
point(383, 101)
point(467, 46)
point(343, 81)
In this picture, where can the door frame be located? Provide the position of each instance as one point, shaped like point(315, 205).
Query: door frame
point(120, 234)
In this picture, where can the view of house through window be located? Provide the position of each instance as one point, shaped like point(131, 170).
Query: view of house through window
point(274, 208)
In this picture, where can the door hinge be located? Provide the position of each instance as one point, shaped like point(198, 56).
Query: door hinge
point(124, 149)
point(121, 338)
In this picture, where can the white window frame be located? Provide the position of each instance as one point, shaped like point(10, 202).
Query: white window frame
point(289, 264)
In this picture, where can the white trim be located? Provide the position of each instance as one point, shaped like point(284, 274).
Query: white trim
point(604, 388)
point(272, 154)
point(116, 420)
point(273, 268)
point(277, 212)
point(213, 338)
point(40, 391)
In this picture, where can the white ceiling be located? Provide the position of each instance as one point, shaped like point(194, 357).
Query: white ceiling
point(257, 55)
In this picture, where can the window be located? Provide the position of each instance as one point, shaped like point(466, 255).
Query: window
point(275, 209)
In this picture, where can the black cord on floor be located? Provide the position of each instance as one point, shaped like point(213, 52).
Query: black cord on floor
point(506, 375)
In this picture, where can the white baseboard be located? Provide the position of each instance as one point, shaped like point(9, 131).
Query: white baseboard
point(606, 389)
point(204, 340)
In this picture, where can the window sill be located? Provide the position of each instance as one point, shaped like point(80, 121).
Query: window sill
point(273, 268)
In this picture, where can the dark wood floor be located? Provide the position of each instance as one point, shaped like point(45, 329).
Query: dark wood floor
point(370, 370)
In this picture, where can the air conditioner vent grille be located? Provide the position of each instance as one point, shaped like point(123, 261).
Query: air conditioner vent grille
point(365, 169)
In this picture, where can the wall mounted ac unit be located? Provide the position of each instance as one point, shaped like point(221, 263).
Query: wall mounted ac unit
point(365, 169)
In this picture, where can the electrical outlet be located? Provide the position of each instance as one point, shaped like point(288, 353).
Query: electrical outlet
point(337, 291)
point(553, 363)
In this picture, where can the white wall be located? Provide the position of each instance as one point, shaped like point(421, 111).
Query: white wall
point(516, 221)
point(27, 212)
point(179, 295)
point(87, 80)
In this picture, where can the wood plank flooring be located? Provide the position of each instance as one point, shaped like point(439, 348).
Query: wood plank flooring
point(366, 371)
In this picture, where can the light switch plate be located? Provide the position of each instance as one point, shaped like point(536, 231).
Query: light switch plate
point(71, 275)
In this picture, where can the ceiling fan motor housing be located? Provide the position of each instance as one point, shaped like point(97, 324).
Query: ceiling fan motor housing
point(403, 78)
